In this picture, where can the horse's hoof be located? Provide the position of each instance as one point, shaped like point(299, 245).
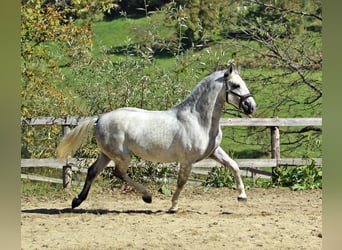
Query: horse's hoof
point(242, 199)
point(75, 203)
point(172, 210)
point(147, 199)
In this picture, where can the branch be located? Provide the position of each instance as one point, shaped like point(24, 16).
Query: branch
point(276, 53)
point(308, 82)
point(298, 12)
point(303, 130)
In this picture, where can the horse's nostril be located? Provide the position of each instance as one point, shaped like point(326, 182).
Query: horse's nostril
point(252, 109)
point(248, 107)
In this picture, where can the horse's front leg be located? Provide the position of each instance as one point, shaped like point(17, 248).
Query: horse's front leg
point(93, 171)
point(222, 157)
point(183, 175)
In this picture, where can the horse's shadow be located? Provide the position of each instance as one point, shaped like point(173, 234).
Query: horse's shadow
point(54, 211)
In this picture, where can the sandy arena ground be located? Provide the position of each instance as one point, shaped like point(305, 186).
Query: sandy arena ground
point(271, 219)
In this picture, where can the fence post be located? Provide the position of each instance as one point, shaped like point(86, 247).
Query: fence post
point(275, 148)
point(67, 176)
point(67, 171)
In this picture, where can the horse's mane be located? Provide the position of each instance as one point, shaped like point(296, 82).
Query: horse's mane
point(202, 88)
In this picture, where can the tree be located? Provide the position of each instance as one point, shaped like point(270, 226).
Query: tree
point(194, 19)
point(51, 37)
point(282, 39)
point(285, 43)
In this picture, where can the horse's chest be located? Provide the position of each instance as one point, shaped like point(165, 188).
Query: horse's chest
point(214, 140)
point(203, 145)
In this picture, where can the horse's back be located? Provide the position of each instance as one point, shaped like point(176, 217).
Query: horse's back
point(135, 119)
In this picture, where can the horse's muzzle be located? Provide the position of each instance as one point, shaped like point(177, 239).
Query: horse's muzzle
point(248, 106)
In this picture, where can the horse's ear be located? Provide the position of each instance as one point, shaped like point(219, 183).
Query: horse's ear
point(239, 69)
point(231, 68)
point(229, 71)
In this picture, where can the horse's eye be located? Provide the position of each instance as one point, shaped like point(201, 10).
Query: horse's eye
point(235, 86)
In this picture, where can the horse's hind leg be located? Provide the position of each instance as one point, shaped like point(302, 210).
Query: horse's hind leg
point(93, 171)
point(220, 156)
point(121, 167)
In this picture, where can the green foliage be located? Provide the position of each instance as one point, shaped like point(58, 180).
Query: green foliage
point(194, 21)
point(43, 28)
point(299, 178)
point(129, 82)
point(139, 6)
point(51, 38)
point(165, 189)
point(143, 171)
point(219, 177)
point(146, 171)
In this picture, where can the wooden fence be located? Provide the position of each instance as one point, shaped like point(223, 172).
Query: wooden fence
point(251, 165)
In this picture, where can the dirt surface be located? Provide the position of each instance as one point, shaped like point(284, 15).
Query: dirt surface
point(271, 219)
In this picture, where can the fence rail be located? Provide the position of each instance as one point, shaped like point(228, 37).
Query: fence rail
point(225, 122)
point(250, 165)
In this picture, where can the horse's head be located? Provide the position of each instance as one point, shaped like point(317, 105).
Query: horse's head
point(237, 92)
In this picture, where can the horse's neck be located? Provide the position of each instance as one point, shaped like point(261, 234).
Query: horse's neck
point(205, 104)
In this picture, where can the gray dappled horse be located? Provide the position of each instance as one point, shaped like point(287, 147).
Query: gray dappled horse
point(187, 133)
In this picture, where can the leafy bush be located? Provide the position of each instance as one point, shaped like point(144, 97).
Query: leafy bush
point(299, 178)
point(145, 171)
point(129, 82)
point(219, 177)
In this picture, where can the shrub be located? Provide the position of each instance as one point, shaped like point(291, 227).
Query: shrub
point(219, 177)
point(299, 178)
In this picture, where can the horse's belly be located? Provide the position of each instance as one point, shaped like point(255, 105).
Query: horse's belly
point(170, 149)
point(156, 148)
point(156, 156)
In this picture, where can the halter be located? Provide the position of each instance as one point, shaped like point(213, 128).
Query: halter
point(228, 91)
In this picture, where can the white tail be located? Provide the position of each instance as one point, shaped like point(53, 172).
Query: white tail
point(73, 140)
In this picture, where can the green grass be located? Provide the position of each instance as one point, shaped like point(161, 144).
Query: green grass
point(112, 33)
point(41, 189)
point(123, 31)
